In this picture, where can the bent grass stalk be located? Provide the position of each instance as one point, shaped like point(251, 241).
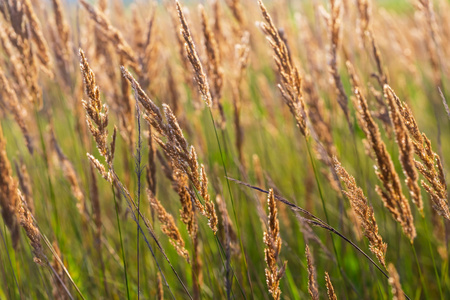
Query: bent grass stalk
point(313, 220)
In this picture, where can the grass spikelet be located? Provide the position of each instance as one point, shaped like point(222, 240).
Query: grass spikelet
point(187, 213)
point(25, 185)
point(96, 113)
point(9, 200)
point(213, 67)
point(330, 289)
point(17, 63)
point(272, 240)
point(32, 232)
point(43, 52)
point(334, 24)
point(430, 165)
point(160, 290)
point(406, 151)
point(183, 157)
point(61, 25)
point(364, 12)
point(290, 81)
point(236, 9)
point(11, 101)
point(394, 282)
point(392, 195)
point(168, 226)
point(114, 35)
point(364, 212)
point(313, 288)
point(199, 74)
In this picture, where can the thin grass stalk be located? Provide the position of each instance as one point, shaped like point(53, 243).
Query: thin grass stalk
point(138, 170)
point(116, 205)
point(5, 242)
point(133, 207)
point(438, 279)
point(308, 146)
point(232, 202)
point(222, 252)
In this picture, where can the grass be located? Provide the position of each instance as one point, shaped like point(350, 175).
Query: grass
point(239, 100)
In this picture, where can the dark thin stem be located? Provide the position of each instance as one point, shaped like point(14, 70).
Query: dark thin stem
point(138, 171)
point(121, 243)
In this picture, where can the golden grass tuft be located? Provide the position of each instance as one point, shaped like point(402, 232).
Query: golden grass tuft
point(189, 46)
point(290, 84)
point(392, 194)
point(313, 288)
point(9, 201)
point(168, 226)
point(272, 240)
point(363, 211)
point(394, 282)
point(330, 289)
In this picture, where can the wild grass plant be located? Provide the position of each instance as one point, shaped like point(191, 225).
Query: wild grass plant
point(229, 149)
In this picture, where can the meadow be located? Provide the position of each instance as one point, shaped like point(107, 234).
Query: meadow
point(224, 149)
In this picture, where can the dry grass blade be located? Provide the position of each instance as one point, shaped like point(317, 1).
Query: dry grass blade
point(187, 213)
point(96, 113)
point(31, 230)
point(394, 282)
point(9, 201)
point(168, 226)
point(364, 212)
point(334, 24)
point(25, 185)
point(43, 52)
point(392, 194)
point(272, 240)
point(199, 74)
point(313, 288)
point(183, 157)
point(406, 149)
point(430, 166)
point(160, 291)
point(330, 288)
point(213, 66)
point(291, 82)
point(114, 35)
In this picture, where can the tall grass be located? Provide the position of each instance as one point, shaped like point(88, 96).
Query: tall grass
point(234, 149)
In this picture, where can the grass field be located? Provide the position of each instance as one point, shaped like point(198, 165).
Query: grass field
point(224, 150)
